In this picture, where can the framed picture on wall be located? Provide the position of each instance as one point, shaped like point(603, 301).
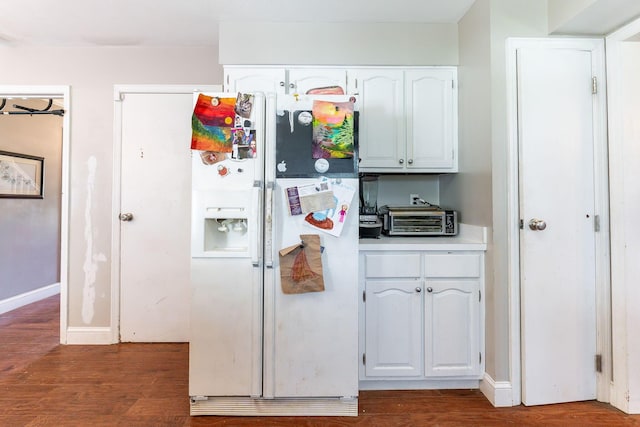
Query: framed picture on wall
point(21, 176)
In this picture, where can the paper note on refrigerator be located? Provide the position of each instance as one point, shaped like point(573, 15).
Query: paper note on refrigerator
point(332, 220)
point(310, 198)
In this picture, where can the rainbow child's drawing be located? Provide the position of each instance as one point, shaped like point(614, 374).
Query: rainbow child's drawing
point(211, 124)
point(332, 130)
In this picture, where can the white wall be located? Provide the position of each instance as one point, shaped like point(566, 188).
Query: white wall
point(627, 244)
point(479, 190)
point(91, 73)
point(590, 17)
point(562, 11)
point(623, 59)
point(349, 43)
point(469, 191)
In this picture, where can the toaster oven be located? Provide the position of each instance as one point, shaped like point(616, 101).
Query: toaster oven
point(418, 221)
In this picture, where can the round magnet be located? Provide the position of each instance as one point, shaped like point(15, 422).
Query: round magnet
point(352, 99)
point(305, 118)
point(222, 170)
point(215, 101)
point(322, 165)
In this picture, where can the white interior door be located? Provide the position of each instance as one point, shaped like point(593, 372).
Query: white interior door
point(558, 276)
point(155, 245)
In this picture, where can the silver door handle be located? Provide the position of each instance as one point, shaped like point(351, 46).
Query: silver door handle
point(418, 289)
point(537, 224)
point(125, 217)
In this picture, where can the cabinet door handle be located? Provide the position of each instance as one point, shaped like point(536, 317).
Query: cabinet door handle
point(410, 161)
point(429, 289)
point(282, 84)
point(401, 161)
point(418, 289)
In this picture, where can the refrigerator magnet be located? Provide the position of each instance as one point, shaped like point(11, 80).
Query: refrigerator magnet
point(321, 165)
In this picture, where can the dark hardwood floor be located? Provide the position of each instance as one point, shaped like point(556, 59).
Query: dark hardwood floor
point(45, 384)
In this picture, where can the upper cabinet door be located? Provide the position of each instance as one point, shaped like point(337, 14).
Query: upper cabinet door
point(254, 79)
point(431, 105)
point(381, 124)
point(302, 80)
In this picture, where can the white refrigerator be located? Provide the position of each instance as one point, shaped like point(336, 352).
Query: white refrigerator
point(254, 349)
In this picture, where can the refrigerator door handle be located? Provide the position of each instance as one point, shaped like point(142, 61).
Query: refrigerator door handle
point(268, 224)
point(256, 207)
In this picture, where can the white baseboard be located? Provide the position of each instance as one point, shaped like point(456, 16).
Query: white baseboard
point(26, 298)
point(499, 393)
point(77, 335)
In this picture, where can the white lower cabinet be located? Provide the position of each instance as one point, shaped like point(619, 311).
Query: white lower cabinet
point(452, 323)
point(394, 315)
point(422, 318)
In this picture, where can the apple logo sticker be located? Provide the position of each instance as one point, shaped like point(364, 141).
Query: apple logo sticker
point(282, 166)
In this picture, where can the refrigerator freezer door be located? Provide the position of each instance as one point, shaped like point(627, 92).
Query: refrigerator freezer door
point(226, 323)
point(311, 339)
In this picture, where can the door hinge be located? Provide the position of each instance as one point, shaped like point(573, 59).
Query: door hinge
point(598, 363)
point(521, 224)
point(596, 223)
point(364, 359)
point(364, 296)
point(594, 85)
point(479, 296)
point(480, 358)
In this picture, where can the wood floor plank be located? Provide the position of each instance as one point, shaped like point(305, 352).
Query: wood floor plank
point(43, 383)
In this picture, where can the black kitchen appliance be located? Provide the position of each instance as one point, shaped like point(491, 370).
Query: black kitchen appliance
point(370, 223)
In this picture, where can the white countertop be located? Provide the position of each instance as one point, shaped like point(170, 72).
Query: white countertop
point(469, 238)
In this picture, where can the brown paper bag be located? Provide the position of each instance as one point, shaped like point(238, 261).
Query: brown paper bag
point(301, 266)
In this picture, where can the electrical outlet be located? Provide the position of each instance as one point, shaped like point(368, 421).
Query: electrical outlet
point(414, 199)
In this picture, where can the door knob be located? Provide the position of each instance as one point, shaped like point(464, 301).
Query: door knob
point(418, 289)
point(537, 224)
point(125, 217)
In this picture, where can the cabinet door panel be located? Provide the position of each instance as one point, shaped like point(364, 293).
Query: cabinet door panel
point(431, 109)
point(393, 311)
point(303, 79)
point(254, 80)
point(382, 136)
point(452, 326)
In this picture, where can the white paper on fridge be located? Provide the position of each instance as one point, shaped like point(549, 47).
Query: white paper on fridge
point(310, 198)
point(332, 220)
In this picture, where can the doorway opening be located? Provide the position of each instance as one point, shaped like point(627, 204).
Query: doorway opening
point(38, 117)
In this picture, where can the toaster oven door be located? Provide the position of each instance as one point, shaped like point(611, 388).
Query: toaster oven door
point(420, 224)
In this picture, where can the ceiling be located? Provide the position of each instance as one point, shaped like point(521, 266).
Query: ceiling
point(192, 22)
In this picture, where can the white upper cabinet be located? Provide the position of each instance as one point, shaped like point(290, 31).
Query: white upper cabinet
point(255, 79)
point(431, 119)
point(282, 80)
point(409, 120)
point(408, 115)
point(302, 80)
point(381, 125)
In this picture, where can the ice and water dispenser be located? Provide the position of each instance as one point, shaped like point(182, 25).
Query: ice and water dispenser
point(223, 224)
point(224, 230)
